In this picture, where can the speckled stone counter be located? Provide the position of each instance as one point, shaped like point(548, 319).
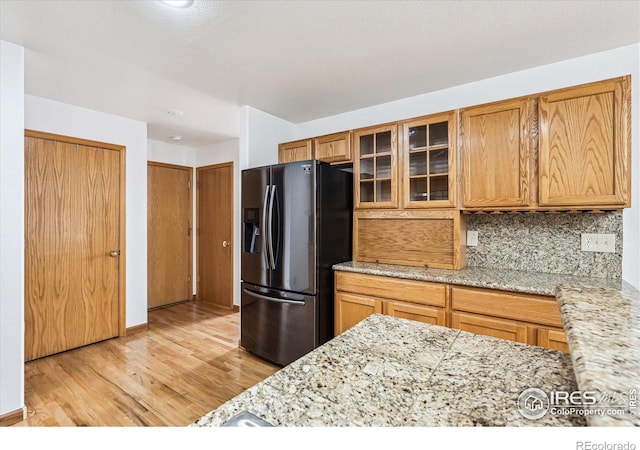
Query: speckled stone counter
point(507, 280)
point(601, 319)
point(603, 332)
point(394, 372)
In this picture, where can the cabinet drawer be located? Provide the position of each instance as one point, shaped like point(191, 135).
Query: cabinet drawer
point(393, 288)
point(420, 313)
point(529, 308)
point(488, 326)
point(554, 339)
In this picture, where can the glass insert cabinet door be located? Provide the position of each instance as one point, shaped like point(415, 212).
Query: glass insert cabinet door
point(375, 167)
point(428, 150)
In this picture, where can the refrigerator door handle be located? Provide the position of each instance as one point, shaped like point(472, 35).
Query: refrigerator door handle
point(273, 192)
point(265, 227)
point(271, 299)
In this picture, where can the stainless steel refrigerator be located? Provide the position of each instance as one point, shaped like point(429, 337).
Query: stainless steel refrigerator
point(296, 223)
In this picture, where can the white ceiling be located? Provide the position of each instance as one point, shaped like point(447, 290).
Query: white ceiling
point(298, 60)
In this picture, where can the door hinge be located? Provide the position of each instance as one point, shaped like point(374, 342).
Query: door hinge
point(198, 185)
point(189, 231)
point(189, 184)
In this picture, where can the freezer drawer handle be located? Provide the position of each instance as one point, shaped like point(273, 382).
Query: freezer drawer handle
point(271, 299)
point(264, 226)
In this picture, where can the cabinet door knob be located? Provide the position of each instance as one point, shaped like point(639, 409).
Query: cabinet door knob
point(225, 244)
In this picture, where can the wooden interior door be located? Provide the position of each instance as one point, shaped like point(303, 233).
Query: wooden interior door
point(169, 213)
point(215, 234)
point(74, 225)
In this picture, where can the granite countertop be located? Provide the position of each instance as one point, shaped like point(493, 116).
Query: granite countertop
point(603, 332)
point(506, 280)
point(601, 319)
point(418, 375)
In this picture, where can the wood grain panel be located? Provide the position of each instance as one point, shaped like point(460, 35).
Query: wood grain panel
point(169, 256)
point(352, 309)
point(421, 292)
point(72, 222)
point(489, 326)
point(215, 227)
point(584, 149)
point(555, 339)
point(333, 148)
point(406, 241)
point(530, 308)
point(420, 313)
point(495, 154)
point(295, 151)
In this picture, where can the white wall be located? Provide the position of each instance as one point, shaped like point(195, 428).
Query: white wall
point(260, 134)
point(54, 117)
point(11, 227)
point(609, 64)
point(179, 155)
point(228, 151)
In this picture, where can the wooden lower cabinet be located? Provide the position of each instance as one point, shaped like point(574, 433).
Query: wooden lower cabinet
point(554, 339)
point(526, 318)
point(490, 326)
point(351, 309)
point(420, 313)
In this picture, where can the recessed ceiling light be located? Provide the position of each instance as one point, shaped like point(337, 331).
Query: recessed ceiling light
point(175, 138)
point(178, 3)
point(175, 113)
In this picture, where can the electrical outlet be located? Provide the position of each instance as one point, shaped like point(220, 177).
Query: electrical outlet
point(605, 243)
point(472, 238)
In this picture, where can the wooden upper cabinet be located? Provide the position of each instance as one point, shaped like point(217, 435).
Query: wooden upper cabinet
point(333, 148)
point(375, 167)
point(429, 156)
point(295, 151)
point(496, 154)
point(585, 145)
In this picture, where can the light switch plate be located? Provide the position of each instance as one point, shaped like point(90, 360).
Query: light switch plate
point(472, 238)
point(605, 243)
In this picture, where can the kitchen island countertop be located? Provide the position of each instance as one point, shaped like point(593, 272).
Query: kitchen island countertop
point(601, 319)
point(386, 371)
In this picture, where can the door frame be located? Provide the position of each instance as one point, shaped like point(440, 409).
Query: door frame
point(233, 224)
point(191, 234)
point(122, 267)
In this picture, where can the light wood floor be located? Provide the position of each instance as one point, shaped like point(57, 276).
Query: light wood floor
point(185, 365)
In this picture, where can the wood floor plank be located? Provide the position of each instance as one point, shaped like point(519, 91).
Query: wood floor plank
point(187, 363)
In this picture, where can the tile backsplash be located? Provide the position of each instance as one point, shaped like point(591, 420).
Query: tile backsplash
point(543, 242)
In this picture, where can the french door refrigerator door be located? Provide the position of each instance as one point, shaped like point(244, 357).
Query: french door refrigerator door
point(278, 326)
point(293, 226)
point(256, 189)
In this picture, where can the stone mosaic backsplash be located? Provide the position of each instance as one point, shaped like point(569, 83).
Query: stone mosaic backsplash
point(544, 242)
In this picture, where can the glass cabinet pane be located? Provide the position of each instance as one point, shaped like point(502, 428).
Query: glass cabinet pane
point(417, 163)
point(383, 191)
point(417, 137)
point(366, 191)
point(366, 168)
point(383, 142)
point(438, 134)
point(366, 144)
point(439, 188)
point(418, 189)
point(383, 167)
point(439, 161)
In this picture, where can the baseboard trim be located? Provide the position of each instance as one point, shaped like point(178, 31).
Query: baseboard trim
point(236, 308)
point(137, 329)
point(195, 298)
point(13, 417)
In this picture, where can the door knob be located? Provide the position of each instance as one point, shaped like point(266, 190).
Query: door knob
point(225, 244)
point(114, 253)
